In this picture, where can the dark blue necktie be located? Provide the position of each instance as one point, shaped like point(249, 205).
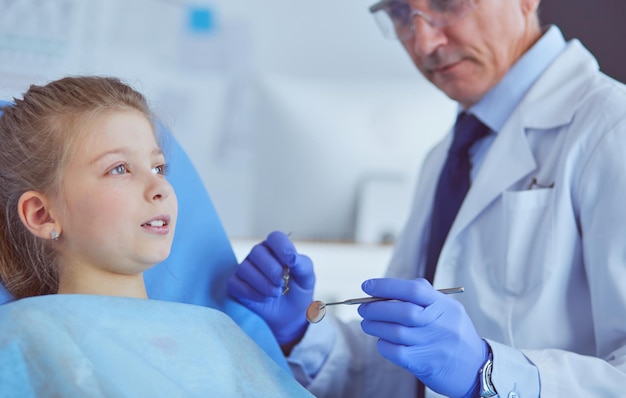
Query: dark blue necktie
point(454, 182)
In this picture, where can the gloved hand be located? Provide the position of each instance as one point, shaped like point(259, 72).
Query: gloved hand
point(425, 332)
point(258, 284)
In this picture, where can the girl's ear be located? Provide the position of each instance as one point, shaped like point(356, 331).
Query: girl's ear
point(34, 211)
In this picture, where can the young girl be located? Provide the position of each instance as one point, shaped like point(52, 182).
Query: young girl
point(85, 209)
point(86, 204)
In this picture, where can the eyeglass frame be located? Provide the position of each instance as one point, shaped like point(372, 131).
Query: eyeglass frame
point(379, 7)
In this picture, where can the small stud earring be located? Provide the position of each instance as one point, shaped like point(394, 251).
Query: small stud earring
point(54, 235)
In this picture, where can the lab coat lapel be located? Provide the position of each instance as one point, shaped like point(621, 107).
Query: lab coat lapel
point(510, 158)
point(411, 247)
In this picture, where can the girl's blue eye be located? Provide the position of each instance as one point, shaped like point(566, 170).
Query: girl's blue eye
point(120, 169)
point(160, 169)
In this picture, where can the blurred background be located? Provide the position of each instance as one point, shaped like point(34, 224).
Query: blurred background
point(299, 116)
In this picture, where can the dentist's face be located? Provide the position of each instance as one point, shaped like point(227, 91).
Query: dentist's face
point(466, 59)
point(117, 211)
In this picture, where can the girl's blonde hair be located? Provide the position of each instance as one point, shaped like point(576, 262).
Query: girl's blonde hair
point(38, 136)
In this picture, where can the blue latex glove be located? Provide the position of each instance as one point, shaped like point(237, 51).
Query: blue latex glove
point(426, 332)
point(258, 284)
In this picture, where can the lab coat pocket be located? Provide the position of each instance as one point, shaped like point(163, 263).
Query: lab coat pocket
point(528, 227)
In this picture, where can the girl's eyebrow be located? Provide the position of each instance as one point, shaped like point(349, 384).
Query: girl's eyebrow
point(108, 153)
point(155, 152)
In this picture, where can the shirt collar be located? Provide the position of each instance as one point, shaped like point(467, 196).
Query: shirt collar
point(498, 104)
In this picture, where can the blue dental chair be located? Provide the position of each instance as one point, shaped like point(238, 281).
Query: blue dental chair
point(201, 259)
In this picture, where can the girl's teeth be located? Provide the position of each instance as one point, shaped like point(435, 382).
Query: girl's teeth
point(157, 223)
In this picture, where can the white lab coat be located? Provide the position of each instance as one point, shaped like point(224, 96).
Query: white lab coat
point(544, 268)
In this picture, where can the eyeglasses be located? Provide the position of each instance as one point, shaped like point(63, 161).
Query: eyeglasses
point(395, 17)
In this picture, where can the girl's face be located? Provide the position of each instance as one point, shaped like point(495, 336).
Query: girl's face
point(117, 212)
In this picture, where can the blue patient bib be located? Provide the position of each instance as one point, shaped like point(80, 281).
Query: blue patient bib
point(100, 346)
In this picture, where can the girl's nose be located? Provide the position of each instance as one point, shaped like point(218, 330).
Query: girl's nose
point(159, 188)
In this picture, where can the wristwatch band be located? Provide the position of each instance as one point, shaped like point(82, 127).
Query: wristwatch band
point(486, 386)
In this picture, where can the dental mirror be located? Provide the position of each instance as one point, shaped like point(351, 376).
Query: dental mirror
point(316, 311)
